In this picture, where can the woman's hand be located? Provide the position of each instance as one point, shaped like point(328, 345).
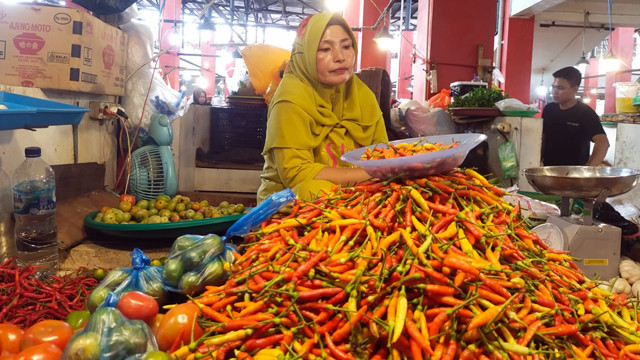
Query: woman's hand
point(343, 176)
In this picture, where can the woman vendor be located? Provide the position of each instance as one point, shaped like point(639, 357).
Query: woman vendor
point(319, 112)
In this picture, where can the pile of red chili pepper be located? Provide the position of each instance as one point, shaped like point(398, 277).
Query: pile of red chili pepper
point(403, 149)
point(26, 299)
point(439, 267)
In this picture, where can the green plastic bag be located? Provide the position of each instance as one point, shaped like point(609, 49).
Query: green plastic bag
point(508, 160)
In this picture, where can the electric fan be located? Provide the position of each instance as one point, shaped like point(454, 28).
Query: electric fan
point(152, 169)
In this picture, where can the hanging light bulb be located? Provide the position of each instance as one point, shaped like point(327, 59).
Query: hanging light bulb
point(206, 27)
point(174, 37)
point(383, 38)
point(610, 62)
point(541, 90)
point(583, 62)
point(335, 5)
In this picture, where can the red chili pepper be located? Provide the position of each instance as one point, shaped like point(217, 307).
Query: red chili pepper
point(262, 343)
point(343, 332)
point(452, 348)
point(315, 294)
point(304, 268)
point(436, 324)
point(417, 337)
point(339, 354)
point(222, 351)
point(561, 330)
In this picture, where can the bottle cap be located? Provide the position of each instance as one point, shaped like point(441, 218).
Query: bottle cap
point(32, 151)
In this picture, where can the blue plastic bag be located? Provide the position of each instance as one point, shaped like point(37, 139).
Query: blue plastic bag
point(260, 213)
point(140, 277)
point(109, 335)
point(196, 261)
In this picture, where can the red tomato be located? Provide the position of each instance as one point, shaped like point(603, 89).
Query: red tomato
point(179, 320)
point(10, 337)
point(40, 352)
point(128, 198)
point(55, 332)
point(138, 305)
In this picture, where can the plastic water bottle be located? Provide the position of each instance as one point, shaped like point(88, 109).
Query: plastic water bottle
point(34, 208)
point(476, 78)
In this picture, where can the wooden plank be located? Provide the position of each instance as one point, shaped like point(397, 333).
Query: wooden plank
point(70, 214)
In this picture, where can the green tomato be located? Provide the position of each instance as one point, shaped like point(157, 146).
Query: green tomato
point(153, 211)
point(114, 278)
point(214, 273)
point(164, 197)
point(184, 242)
point(198, 216)
point(172, 271)
point(171, 205)
point(156, 355)
point(128, 339)
point(141, 215)
point(143, 204)
point(192, 258)
point(240, 208)
point(165, 212)
point(190, 283)
point(77, 318)
point(189, 213)
point(223, 204)
point(180, 207)
point(104, 317)
point(84, 345)
point(96, 298)
point(154, 219)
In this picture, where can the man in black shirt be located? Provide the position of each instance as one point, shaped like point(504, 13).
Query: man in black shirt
point(570, 126)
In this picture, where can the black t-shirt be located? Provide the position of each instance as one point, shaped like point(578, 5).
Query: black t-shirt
point(567, 134)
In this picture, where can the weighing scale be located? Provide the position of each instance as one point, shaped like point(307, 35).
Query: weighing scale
point(596, 244)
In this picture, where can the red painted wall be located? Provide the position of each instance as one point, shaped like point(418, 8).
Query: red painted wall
point(518, 48)
point(364, 13)
point(456, 28)
point(405, 66)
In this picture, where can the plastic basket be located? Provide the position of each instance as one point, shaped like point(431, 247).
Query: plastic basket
point(238, 127)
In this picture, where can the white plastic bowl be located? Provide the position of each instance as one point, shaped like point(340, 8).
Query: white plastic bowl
point(417, 165)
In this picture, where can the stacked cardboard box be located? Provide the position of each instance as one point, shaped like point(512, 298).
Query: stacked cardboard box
point(61, 48)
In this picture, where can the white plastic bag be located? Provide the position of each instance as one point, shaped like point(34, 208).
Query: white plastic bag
point(423, 121)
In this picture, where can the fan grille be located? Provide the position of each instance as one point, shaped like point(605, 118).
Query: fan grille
point(147, 173)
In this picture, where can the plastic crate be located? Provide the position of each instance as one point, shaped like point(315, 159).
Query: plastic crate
point(238, 127)
point(29, 112)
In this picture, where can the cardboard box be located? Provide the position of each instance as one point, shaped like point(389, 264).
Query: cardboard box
point(61, 48)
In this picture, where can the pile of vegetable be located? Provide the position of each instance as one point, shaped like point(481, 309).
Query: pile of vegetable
point(403, 149)
point(478, 97)
point(164, 209)
point(439, 267)
point(25, 299)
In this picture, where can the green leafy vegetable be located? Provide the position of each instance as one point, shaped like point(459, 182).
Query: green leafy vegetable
point(479, 97)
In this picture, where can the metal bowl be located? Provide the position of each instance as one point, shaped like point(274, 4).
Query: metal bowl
point(581, 182)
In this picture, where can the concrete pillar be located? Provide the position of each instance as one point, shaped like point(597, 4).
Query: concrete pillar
point(365, 13)
point(405, 68)
point(420, 66)
point(621, 42)
point(208, 63)
point(170, 61)
point(517, 47)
